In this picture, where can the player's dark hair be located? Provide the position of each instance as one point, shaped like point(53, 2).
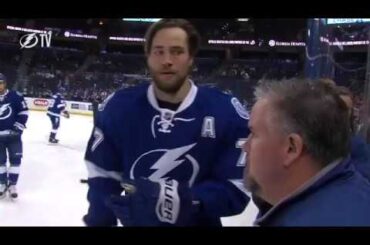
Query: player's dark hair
point(192, 33)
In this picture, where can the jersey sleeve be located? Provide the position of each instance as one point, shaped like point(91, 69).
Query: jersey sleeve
point(61, 105)
point(104, 172)
point(21, 111)
point(223, 194)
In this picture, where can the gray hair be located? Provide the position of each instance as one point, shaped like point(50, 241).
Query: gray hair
point(313, 110)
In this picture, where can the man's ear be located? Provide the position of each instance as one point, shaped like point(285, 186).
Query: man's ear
point(294, 148)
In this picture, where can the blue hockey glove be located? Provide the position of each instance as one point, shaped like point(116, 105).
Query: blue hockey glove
point(146, 203)
point(66, 114)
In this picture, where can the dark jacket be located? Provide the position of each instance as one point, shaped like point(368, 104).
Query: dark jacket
point(360, 155)
point(338, 196)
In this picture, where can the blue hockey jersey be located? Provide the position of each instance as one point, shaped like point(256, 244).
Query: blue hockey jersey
point(13, 111)
point(199, 143)
point(57, 105)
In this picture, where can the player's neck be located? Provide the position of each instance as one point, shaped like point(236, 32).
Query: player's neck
point(173, 98)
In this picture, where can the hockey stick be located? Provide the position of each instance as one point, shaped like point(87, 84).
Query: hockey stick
point(83, 181)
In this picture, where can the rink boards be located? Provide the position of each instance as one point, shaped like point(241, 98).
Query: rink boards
point(74, 107)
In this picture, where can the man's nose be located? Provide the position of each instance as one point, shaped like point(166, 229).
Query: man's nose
point(167, 59)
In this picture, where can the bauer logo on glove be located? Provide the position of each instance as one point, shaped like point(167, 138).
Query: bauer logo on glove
point(168, 205)
point(166, 202)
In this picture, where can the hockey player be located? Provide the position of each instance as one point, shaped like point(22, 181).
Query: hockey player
point(13, 118)
point(55, 110)
point(174, 147)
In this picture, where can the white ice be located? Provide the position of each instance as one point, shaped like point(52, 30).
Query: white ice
point(50, 192)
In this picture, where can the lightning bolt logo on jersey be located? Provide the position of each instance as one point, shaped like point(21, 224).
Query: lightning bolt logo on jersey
point(13, 111)
point(5, 111)
point(168, 163)
point(136, 138)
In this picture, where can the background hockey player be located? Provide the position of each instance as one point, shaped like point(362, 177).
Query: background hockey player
point(95, 101)
point(13, 118)
point(55, 110)
point(174, 146)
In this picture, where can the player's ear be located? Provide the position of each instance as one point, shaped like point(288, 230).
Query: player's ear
point(191, 61)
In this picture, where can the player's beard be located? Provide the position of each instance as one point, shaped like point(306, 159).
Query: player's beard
point(171, 86)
